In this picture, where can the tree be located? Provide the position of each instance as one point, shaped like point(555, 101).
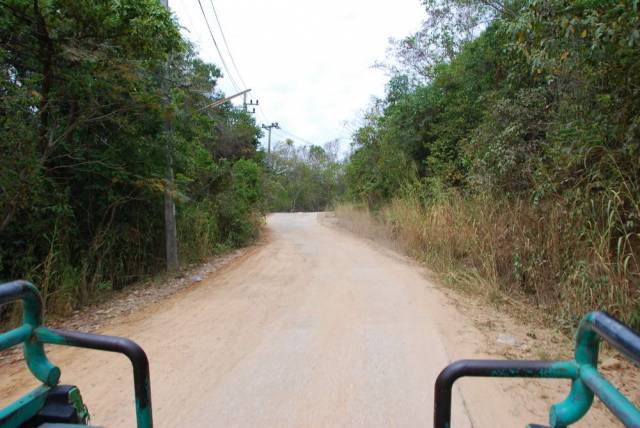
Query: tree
point(306, 178)
point(82, 144)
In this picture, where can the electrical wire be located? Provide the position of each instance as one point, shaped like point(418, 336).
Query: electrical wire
point(235, 66)
point(224, 39)
point(284, 131)
point(237, 70)
point(224, 64)
point(262, 113)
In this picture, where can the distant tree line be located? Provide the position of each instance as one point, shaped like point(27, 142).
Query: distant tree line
point(304, 178)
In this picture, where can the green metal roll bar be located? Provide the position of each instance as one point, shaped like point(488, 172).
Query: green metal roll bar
point(32, 335)
point(586, 381)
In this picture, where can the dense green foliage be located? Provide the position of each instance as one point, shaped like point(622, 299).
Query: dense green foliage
point(303, 178)
point(531, 106)
point(85, 92)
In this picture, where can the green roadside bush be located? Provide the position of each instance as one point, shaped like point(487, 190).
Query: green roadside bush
point(530, 128)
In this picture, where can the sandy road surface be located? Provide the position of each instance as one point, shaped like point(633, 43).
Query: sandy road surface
point(314, 328)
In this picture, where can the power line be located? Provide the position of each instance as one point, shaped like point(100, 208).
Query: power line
point(262, 113)
point(280, 129)
point(235, 66)
point(224, 64)
point(224, 39)
point(284, 131)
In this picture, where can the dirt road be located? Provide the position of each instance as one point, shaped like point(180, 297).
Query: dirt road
point(314, 328)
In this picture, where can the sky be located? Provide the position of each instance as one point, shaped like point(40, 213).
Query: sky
point(308, 63)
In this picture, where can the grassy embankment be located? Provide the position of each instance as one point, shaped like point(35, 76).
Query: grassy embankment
point(510, 253)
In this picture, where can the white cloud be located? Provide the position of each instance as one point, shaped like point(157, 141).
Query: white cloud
point(309, 63)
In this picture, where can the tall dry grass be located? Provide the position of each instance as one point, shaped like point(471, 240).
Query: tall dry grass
point(358, 219)
point(545, 256)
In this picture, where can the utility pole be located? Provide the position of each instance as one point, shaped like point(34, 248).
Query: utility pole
point(250, 103)
point(270, 127)
point(171, 239)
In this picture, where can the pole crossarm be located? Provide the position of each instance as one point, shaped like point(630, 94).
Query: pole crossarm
point(219, 102)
